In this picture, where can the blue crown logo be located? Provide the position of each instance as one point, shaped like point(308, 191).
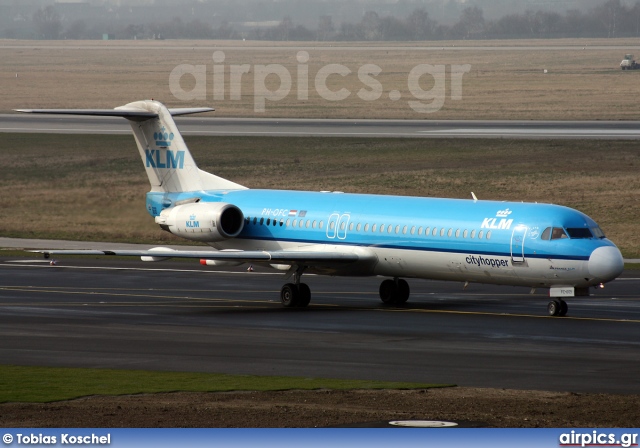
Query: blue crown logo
point(163, 138)
point(192, 218)
point(503, 213)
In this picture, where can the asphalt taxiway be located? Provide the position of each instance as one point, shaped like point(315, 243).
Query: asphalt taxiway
point(212, 126)
point(181, 316)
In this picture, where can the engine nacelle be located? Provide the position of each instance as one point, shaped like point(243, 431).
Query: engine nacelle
point(203, 221)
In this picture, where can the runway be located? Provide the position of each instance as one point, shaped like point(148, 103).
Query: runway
point(211, 126)
point(180, 316)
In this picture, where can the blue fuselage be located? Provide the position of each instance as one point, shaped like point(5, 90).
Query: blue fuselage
point(453, 239)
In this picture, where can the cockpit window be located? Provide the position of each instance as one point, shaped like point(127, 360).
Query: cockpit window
point(579, 233)
point(597, 232)
point(558, 233)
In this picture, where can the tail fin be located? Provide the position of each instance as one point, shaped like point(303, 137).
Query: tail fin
point(165, 155)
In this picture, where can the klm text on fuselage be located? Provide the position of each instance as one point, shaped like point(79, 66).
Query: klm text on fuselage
point(164, 158)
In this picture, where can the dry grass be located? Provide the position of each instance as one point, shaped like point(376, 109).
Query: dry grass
point(92, 187)
point(505, 82)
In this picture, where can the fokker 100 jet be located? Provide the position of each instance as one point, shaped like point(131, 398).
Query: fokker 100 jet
point(506, 243)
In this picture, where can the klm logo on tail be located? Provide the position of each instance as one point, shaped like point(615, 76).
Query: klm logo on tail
point(162, 138)
point(160, 158)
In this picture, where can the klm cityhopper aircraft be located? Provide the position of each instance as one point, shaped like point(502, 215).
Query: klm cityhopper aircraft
point(506, 243)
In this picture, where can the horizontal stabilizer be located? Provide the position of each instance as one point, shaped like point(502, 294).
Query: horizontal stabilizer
point(118, 112)
point(93, 112)
point(189, 110)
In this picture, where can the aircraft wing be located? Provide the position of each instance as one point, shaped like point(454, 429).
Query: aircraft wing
point(279, 256)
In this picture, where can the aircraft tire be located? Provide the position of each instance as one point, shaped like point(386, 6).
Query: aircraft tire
point(554, 308)
point(289, 295)
point(403, 292)
point(563, 308)
point(304, 295)
point(388, 292)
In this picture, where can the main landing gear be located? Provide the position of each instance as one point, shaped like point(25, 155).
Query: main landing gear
point(394, 292)
point(295, 294)
point(557, 307)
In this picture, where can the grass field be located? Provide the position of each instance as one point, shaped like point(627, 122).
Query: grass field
point(506, 79)
point(46, 384)
point(93, 187)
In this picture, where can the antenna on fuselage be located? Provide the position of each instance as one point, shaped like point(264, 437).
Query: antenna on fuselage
point(473, 195)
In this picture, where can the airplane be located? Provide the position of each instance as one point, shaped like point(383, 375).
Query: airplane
point(339, 234)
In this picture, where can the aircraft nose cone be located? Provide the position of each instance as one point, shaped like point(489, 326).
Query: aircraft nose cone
point(606, 263)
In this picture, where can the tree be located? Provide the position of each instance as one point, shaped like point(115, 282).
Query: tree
point(419, 25)
point(76, 30)
point(350, 31)
point(392, 28)
point(471, 23)
point(370, 24)
point(133, 31)
point(611, 15)
point(284, 28)
point(47, 22)
point(225, 31)
point(325, 28)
